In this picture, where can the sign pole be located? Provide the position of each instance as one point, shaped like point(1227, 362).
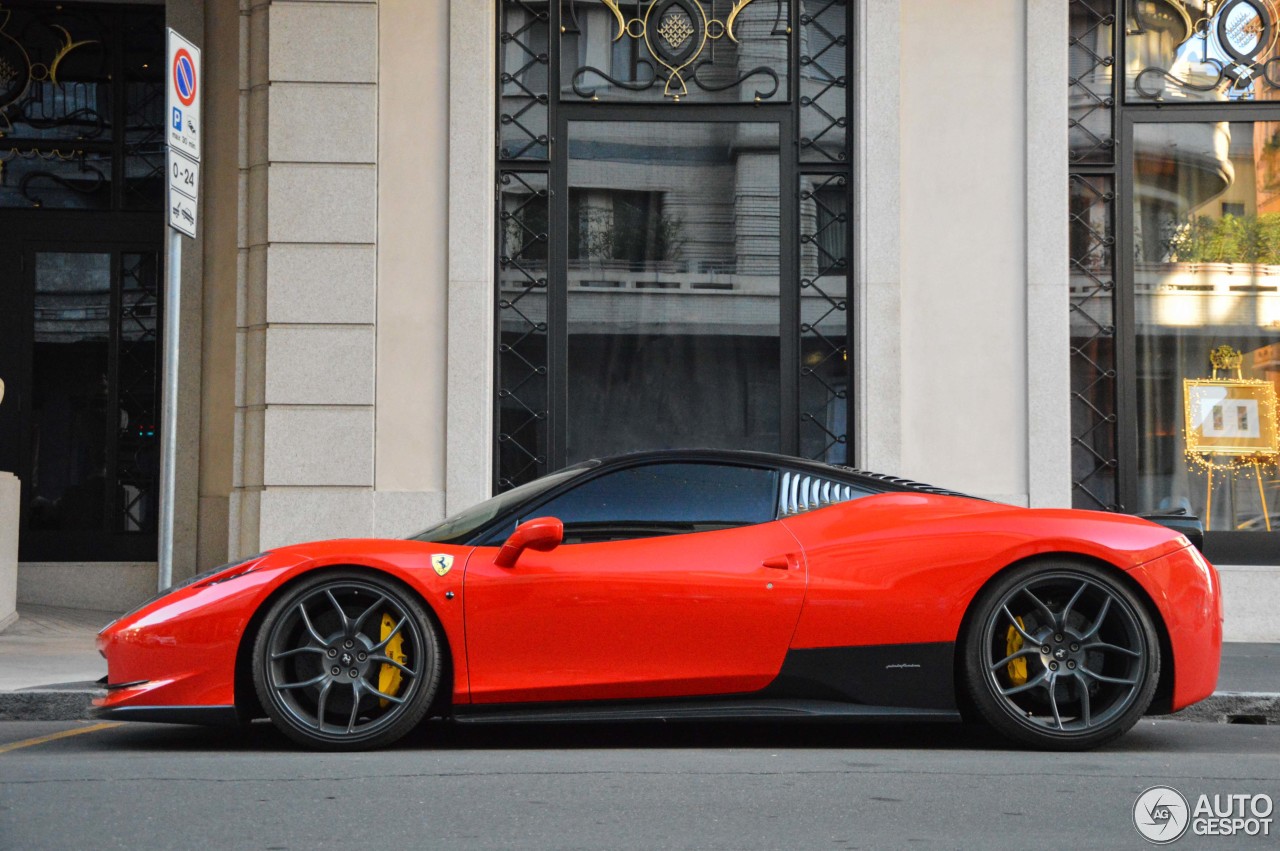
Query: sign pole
point(169, 408)
point(182, 180)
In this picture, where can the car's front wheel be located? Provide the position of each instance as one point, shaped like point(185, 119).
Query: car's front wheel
point(346, 661)
point(1060, 656)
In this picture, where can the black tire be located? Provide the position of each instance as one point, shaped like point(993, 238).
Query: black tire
point(322, 655)
point(1060, 656)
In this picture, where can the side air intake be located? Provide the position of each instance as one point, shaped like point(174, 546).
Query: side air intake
point(799, 492)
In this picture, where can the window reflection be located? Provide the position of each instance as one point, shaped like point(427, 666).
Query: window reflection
point(673, 285)
point(1206, 274)
point(70, 391)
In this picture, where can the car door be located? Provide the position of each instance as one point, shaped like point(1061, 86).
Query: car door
point(673, 580)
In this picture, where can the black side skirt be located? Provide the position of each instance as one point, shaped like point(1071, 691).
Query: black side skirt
point(895, 682)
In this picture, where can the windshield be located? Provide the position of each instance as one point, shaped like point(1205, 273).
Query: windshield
point(460, 528)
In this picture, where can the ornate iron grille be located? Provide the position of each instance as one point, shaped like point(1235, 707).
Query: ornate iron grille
point(138, 393)
point(721, 49)
point(522, 327)
point(1093, 343)
point(824, 305)
point(1090, 84)
point(824, 82)
point(525, 59)
point(81, 97)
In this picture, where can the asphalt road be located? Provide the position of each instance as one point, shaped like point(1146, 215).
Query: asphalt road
point(636, 786)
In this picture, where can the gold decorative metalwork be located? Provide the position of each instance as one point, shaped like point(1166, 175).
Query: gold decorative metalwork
point(34, 72)
point(676, 30)
point(1231, 454)
point(1225, 357)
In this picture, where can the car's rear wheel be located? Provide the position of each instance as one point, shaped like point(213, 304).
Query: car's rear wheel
point(346, 661)
point(1060, 656)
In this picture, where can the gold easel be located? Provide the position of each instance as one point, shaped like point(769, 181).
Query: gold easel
point(1224, 358)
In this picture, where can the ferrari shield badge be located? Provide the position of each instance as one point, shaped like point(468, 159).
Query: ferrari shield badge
point(442, 562)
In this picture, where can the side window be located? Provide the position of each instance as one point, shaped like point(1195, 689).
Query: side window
point(663, 499)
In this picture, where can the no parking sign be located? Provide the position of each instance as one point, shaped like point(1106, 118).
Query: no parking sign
point(183, 96)
point(182, 102)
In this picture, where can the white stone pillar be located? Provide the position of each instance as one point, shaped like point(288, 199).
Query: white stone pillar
point(10, 496)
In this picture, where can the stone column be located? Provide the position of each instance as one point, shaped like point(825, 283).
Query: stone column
point(10, 495)
point(306, 305)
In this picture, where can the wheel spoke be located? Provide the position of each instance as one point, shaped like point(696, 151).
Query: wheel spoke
point(315, 636)
point(1111, 648)
point(387, 660)
point(284, 654)
point(355, 706)
point(391, 697)
point(1085, 708)
point(359, 622)
point(346, 621)
point(1105, 679)
point(1072, 602)
point(320, 704)
point(316, 680)
point(1053, 700)
point(1026, 636)
point(1027, 686)
point(1050, 618)
point(1026, 651)
point(390, 635)
point(1097, 623)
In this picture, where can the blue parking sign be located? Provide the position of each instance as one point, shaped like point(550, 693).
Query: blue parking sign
point(177, 118)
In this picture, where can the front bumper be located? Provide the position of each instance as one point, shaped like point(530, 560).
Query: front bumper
point(209, 716)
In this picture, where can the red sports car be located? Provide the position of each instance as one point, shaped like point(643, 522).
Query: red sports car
point(692, 584)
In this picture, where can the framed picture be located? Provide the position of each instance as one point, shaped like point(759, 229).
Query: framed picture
point(1231, 417)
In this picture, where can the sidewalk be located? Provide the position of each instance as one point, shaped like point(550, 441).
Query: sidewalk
point(48, 669)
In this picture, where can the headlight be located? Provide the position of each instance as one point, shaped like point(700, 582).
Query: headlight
point(210, 576)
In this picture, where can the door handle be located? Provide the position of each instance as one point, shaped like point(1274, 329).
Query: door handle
point(779, 562)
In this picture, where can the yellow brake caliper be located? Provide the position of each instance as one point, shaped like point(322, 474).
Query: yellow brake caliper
point(1013, 643)
point(389, 675)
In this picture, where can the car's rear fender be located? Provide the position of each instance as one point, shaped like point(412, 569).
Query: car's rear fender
point(1164, 689)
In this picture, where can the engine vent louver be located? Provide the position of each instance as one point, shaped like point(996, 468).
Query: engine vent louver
point(804, 492)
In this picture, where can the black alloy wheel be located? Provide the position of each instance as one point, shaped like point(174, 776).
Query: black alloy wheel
point(1061, 656)
point(346, 661)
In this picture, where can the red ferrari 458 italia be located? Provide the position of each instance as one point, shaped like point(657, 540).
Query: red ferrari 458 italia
point(692, 584)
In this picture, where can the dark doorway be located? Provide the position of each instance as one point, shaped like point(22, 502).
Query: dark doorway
point(81, 228)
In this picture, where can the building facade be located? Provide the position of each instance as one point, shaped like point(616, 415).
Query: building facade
point(445, 248)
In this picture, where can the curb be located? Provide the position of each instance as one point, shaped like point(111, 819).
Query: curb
point(1234, 707)
point(74, 702)
point(69, 702)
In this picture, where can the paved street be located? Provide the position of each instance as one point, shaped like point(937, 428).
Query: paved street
point(644, 786)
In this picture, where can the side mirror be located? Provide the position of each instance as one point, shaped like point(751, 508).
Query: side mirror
point(540, 533)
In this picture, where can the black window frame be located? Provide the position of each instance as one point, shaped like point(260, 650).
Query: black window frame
point(1109, 480)
point(530, 372)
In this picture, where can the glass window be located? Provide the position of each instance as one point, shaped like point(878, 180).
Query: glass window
point(657, 359)
point(458, 528)
point(663, 499)
point(71, 391)
point(1206, 217)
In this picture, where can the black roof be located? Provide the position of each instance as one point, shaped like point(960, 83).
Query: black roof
point(874, 481)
